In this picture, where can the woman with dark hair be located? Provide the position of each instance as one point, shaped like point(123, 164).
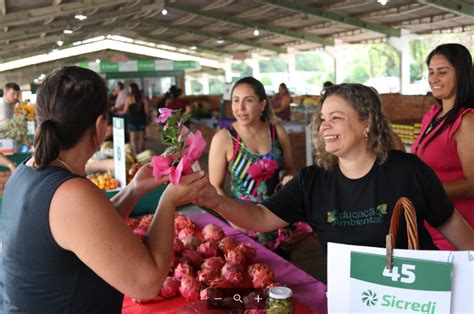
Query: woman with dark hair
point(136, 110)
point(447, 130)
point(349, 195)
point(66, 247)
point(281, 103)
point(253, 150)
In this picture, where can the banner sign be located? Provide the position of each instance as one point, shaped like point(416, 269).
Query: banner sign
point(140, 65)
point(411, 285)
point(419, 282)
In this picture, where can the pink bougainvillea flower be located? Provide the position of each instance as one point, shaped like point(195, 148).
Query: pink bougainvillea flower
point(184, 167)
point(263, 169)
point(165, 113)
point(194, 145)
point(161, 166)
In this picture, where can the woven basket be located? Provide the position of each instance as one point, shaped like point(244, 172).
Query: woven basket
point(405, 205)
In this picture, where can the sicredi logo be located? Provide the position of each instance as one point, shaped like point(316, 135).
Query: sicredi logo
point(369, 298)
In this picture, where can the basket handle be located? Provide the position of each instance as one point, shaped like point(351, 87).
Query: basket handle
point(403, 204)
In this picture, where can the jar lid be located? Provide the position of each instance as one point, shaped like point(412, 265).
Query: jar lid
point(280, 292)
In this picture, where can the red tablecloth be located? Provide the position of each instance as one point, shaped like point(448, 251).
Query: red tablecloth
point(309, 293)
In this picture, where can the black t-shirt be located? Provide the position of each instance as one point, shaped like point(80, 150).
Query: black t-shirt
point(358, 211)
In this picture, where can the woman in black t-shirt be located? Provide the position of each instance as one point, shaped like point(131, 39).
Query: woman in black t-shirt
point(349, 195)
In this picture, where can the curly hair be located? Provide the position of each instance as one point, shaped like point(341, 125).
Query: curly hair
point(367, 104)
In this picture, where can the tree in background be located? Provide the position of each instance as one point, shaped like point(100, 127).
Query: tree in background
point(216, 87)
point(418, 52)
point(274, 64)
point(243, 68)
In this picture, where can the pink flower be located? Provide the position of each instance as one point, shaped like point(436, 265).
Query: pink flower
point(165, 113)
point(194, 145)
point(263, 169)
point(184, 167)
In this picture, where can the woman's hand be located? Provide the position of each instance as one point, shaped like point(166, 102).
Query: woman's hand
point(208, 196)
point(286, 179)
point(188, 189)
point(144, 181)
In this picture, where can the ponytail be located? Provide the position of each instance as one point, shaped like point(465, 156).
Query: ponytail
point(47, 144)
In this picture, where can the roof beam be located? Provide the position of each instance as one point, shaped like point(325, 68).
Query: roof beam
point(245, 42)
point(271, 29)
point(454, 6)
point(45, 13)
point(333, 16)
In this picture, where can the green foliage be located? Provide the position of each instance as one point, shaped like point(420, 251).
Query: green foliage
point(273, 65)
point(418, 52)
point(171, 133)
point(266, 81)
point(359, 74)
point(243, 68)
point(383, 60)
point(308, 62)
point(216, 87)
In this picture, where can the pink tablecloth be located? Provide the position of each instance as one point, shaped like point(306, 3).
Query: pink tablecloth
point(307, 290)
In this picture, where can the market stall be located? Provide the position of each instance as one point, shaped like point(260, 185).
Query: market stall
point(309, 293)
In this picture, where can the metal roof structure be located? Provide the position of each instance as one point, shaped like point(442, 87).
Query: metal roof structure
point(216, 29)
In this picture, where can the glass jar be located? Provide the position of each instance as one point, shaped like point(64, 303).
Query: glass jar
point(280, 301)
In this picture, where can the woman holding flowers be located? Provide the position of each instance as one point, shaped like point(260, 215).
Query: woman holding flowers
point(66, 247)
point(349, 194)
point(253, 150)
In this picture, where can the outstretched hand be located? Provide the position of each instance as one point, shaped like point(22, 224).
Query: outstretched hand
point(188, 189)
point(144, 181)
point(208, 196)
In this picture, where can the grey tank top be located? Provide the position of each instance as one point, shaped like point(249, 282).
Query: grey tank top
point(39, 275)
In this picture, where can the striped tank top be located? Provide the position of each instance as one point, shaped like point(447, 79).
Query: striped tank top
point(254, 176)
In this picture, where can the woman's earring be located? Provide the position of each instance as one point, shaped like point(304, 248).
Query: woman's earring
point(366, 136)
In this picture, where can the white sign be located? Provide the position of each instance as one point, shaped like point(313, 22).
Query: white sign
point(119, 151)
point(30, 127)
point(417, 283)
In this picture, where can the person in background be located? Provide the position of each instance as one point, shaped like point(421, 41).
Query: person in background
point(120, 98)
point(254, 150)
point(5, 162)
point(162, 102)
point(66, 246)
point(348, 196)
point(176, 102)
point(281, 103)
point(446, 138)
point(136, 111)
point(11, 96)
point(327, 84)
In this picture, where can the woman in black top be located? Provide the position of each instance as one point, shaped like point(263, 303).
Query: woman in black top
point(136, 110)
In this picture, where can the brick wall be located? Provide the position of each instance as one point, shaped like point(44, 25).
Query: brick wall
point(406, 109)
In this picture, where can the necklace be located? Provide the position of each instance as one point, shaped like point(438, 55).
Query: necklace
point(65, 165)
point(433, 124)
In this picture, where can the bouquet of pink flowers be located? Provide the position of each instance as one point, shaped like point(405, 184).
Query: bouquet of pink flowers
point(184, 147)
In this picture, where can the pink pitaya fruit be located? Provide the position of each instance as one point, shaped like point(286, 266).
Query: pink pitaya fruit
point(235, 278)
point(227, 244)
point(210, 294)
point(145, 222)
point(231, 268)
point(178, 246)
point(212, 232)
point(189, 288)
point(191, 242)
point(186, 232)
point(208, 249)
point(173, 263)
point(181, 222)
point(139, 232)
point(220, 282)
point(181, 270)
point(205, 276)
point(235, 257)
point(248, 250)
point(170, 288)
point(191, 257)
point(261, 275)
point(213, 263)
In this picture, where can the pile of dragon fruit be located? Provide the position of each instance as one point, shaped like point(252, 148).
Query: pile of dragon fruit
point(206, 258)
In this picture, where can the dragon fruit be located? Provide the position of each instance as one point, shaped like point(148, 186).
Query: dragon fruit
point(186, 232)
point(173, 263)
point(141, 301)
point(178, 246)
point(231, 268)
point(145, 222)
point(139, 232)
point(208, 249)
point(235, 257)
point(206, 275)
point(212, 232)
point(235, 278)
point(170, 288)
point(220, 282)
point(213, 263)
point(190, 242)
point(248, 250)
point(191, 257)
point(261, 275)
point(210, 294)
point(181, 222)
point(227, 244)
point(181, 270)
point(189, 288)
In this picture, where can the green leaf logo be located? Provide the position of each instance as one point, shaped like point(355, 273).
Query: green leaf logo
point(369, 298)
point(331, 216)
point(382, 208)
